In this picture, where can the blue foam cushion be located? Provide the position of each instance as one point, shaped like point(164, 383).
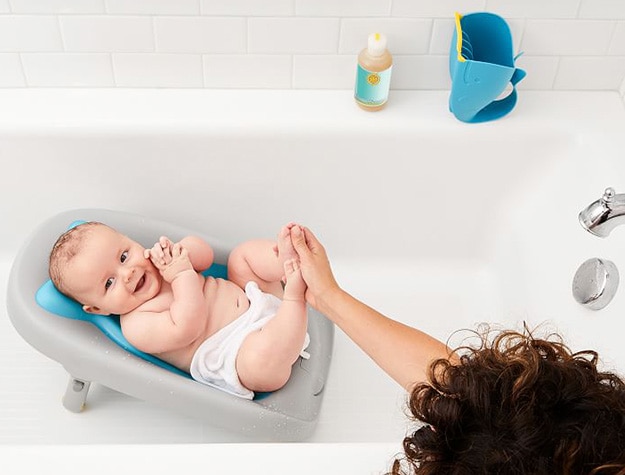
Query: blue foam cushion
point(55, 302)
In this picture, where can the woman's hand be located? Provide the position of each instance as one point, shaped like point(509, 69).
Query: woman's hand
point(315, 266)
point(403, 352)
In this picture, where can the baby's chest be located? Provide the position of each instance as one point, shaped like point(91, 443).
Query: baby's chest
point(159, 303)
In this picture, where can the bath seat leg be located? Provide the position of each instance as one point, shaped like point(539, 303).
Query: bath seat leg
point(75, 394)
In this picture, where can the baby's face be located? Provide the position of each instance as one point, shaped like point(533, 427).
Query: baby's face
point(110, 274)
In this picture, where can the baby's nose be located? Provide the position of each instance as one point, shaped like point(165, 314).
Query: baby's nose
point(129, 272)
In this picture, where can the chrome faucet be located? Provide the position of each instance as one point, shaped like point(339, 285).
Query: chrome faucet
point(603, 215)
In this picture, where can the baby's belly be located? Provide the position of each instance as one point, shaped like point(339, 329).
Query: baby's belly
point(225, 303)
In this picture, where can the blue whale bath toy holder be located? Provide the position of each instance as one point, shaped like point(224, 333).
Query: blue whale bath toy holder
point(481, 65)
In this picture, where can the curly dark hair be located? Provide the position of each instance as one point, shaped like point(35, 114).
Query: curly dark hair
point(517, 405)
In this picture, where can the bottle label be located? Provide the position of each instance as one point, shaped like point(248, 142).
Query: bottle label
point(372, 87)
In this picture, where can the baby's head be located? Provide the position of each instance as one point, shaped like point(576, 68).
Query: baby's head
point(102, 269)
point(66, 247)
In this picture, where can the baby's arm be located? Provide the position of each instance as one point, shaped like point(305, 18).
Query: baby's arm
point(201, 254)
point(178, 327)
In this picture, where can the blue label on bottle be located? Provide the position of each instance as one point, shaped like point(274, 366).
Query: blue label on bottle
point(372, 87)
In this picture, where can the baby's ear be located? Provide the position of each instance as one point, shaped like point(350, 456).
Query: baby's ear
point(93, 309)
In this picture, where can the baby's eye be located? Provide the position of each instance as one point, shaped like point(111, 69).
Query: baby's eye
point(124, 256)
point(108, 283)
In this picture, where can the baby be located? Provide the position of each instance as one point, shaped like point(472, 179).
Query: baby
point(240, 335)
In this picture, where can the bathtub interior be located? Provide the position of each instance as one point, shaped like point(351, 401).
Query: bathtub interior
point(438, 224)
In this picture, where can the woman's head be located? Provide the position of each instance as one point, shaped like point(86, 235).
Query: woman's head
point(517, 405)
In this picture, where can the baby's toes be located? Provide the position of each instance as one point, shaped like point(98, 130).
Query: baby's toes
point(286, 250)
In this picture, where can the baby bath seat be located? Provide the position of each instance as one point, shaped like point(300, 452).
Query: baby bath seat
point(289, 414)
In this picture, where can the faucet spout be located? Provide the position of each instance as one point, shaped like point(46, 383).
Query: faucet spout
point(603, 215)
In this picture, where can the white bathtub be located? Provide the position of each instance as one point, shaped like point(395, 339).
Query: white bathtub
point(437, 223)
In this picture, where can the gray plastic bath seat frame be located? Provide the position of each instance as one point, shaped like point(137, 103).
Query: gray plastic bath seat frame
point(289, 414)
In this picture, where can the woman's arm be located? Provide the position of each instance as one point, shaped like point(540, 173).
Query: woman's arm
point(403, 352)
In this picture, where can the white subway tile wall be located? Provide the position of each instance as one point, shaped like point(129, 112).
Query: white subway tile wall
point(11, 67)
point(300, 44)
point(158, 70)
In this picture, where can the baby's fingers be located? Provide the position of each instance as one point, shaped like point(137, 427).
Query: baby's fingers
point(178, 251)
point(157, 254)
point(165, 242)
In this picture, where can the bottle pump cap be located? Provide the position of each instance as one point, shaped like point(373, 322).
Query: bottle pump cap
point(376, 44)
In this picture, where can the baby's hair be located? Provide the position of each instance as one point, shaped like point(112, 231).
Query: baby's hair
point(68, 245)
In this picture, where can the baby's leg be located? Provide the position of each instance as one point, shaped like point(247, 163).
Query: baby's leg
point(262, 261)
point(266, 356)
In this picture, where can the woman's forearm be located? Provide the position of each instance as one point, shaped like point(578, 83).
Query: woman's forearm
point(403, 352)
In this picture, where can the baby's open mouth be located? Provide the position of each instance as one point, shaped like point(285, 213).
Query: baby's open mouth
point(140, 283)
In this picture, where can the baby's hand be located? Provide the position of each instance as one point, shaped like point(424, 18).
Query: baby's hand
point(169, 258)
point(157, 253)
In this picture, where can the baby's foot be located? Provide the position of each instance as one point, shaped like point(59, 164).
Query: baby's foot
point(286, 250)
point(295, 288)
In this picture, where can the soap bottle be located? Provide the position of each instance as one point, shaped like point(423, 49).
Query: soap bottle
point(373, 76)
